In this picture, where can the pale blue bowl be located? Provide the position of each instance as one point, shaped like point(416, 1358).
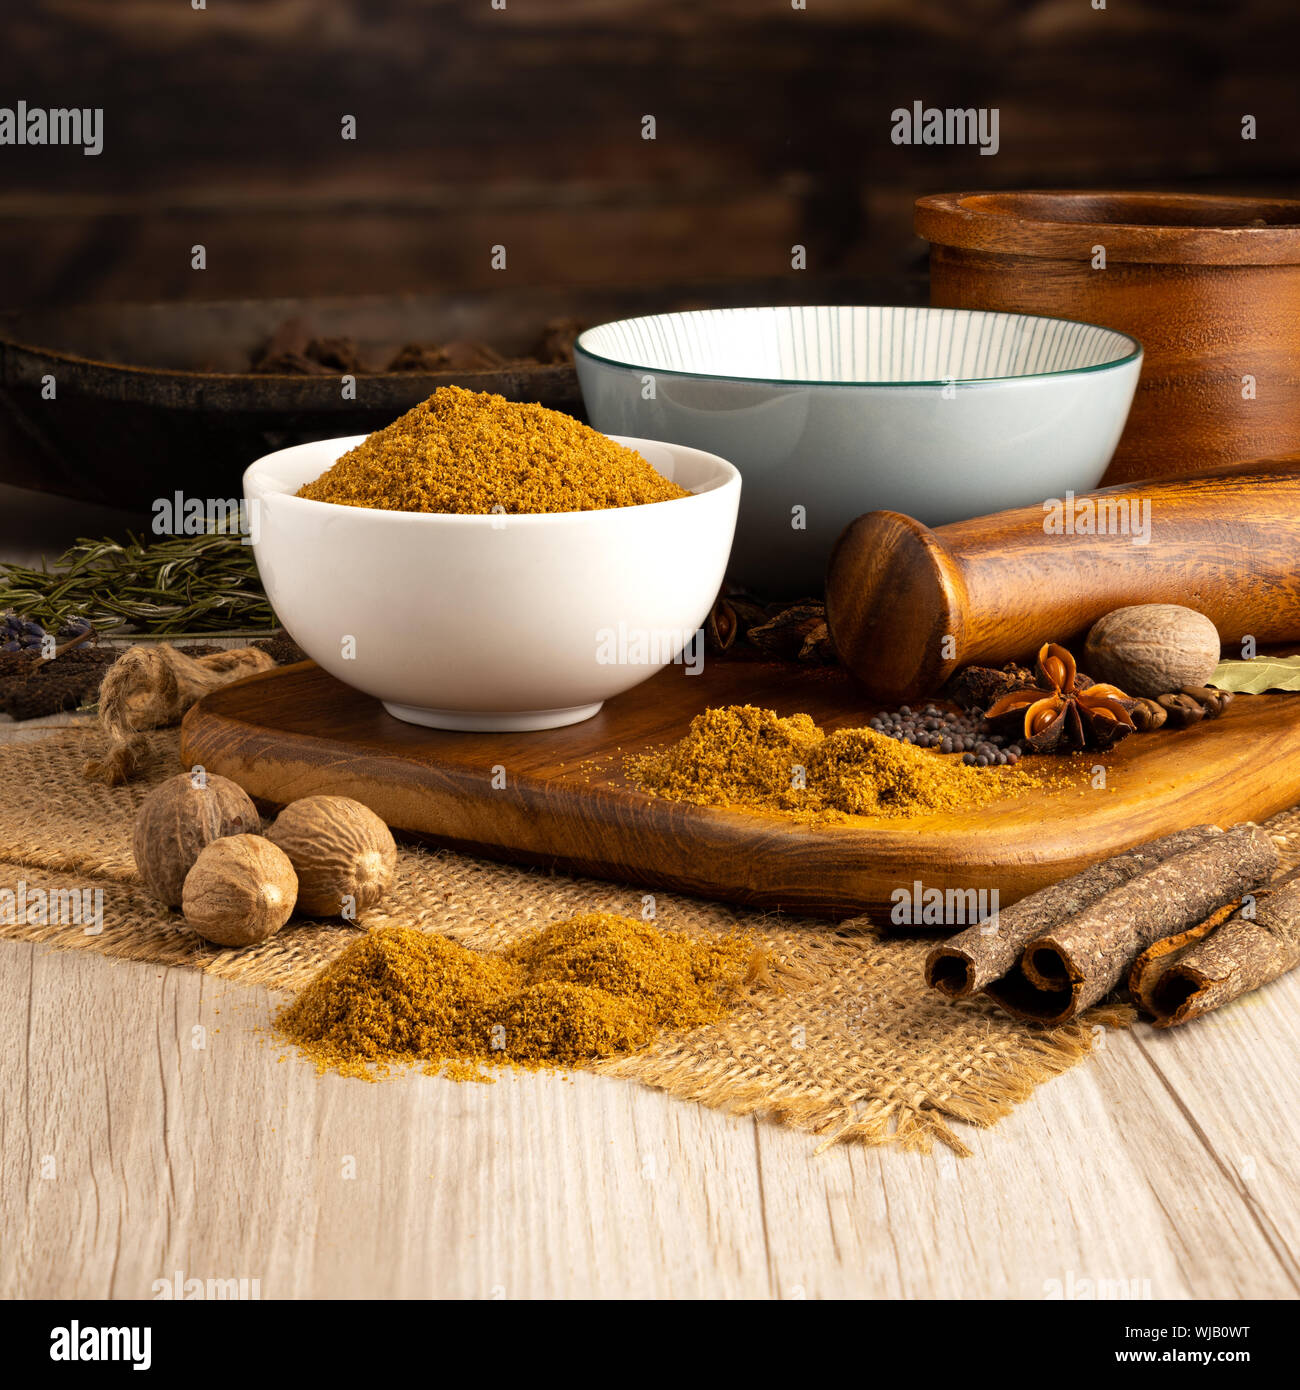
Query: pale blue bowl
point(829, 412)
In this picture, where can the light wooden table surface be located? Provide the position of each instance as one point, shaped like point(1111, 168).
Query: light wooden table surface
point(149, 1125)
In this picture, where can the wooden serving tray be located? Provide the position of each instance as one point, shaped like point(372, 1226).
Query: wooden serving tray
point(297, 731)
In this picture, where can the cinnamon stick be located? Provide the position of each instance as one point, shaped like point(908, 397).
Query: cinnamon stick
point(976, 957)
point(1078, 962)
point(1235, 958)
point(1165, 954)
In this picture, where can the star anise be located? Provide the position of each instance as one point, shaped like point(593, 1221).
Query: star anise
point(1061, 711)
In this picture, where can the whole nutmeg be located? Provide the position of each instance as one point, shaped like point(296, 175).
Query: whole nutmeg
point(178, 819)
point(240, 891)
point(1150, 649)
point(344, 855)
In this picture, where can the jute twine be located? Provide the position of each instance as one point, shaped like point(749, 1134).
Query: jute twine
point(851, 1047)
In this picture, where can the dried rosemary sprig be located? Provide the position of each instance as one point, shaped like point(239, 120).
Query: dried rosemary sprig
point(182, 584)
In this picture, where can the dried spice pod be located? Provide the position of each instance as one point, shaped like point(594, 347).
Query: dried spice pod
point(1213, 701)
point(1147, 715)
point(797, 633)
point(722, 626)
point(1062, 711)
point(978, 687)
point(1181, 711)
point(976, 957)
point(1077, 963)
point(1191, 704)
point(818, 646)
point(1233, 959)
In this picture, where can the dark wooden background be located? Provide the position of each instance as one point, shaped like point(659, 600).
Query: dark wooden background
point(478, 126)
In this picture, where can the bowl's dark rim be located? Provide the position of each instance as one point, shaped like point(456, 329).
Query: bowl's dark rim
point(1130, 357)
point(186, 374)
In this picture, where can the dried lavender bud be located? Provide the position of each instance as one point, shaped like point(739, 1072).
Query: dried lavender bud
point(20, 634)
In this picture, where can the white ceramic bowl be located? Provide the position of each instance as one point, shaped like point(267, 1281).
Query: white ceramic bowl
point(942, 414)
point(492, 622)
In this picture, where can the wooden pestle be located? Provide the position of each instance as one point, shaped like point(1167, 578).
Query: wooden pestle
point(908, 605)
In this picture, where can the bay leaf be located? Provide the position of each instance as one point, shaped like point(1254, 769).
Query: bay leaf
point(1255, 677)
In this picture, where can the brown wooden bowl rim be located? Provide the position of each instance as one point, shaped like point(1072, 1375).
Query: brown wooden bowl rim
point(24, 365)
point(948, 219)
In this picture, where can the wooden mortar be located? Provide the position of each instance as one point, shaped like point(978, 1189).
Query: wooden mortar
point(1209, 285)
point(907, 605)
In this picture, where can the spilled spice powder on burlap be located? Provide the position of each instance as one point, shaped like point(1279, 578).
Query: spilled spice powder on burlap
point(471, 452)
point(597, 985)
point(752, 759)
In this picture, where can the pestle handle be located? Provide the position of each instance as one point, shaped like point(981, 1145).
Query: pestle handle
point(907, 605)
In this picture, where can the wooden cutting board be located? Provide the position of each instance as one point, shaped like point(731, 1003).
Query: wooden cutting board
point(297, 731)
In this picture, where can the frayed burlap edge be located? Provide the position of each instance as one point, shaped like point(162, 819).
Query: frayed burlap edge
point(907, 1114)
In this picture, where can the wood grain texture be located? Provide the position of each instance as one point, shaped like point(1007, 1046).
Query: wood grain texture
point(477, 126)
point(136, 1146)
point(1224, 542)
point(298, 732)
point(199, 100)
point(1209, 285)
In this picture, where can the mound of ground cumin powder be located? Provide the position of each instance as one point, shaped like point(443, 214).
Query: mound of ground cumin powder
point(590, 987)
point(471, 452)
point(752, 759)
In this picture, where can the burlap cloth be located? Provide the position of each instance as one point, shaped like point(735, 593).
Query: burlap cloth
point(853, 1048)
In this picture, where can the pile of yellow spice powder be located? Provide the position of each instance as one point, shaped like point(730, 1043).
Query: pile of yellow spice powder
point(753, 759)
point(594, 986)
point(473, 453)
